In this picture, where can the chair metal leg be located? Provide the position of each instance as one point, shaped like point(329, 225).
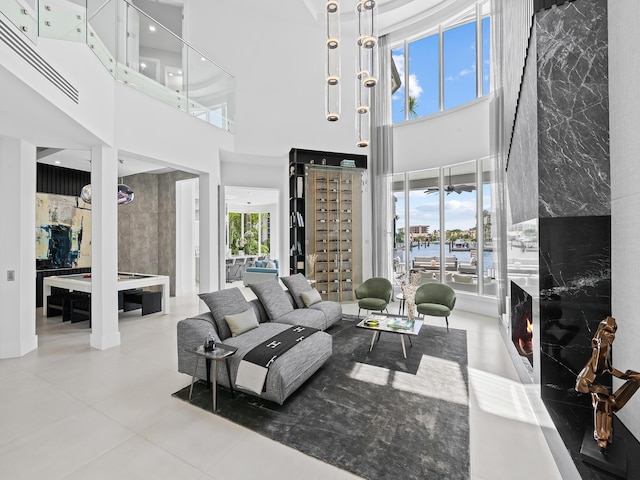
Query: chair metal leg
point(358, 312)
point(447, 319)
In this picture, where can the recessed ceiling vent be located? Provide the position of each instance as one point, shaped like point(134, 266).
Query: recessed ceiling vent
point(22, 48)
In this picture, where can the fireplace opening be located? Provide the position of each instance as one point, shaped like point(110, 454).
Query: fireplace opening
point(522, 322)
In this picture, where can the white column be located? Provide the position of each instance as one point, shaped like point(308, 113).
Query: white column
point(211, 239)
point(18, 252)
point(104, 248)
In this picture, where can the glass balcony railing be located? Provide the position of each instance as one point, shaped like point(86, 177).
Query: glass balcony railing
point(22, 13)
point(159, 64)
point(62, 20)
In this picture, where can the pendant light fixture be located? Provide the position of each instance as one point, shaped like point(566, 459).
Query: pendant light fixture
point(332, 63)
point(125, 193)
point(367, 41)
point(366, 63)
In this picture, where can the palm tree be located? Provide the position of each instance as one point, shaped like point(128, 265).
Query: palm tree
point(413, 105)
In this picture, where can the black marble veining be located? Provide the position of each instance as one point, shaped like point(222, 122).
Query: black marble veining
point(570, 420)
point(522, 171)
point(575, 295)
point(573, 110)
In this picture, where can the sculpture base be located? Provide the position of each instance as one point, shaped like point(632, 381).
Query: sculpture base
point(612, 460)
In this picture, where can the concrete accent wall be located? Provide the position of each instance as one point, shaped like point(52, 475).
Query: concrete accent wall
point(138, 226)
point(624, 71)
point(147, 226)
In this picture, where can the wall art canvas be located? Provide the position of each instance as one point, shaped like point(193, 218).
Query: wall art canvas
point(63, 232)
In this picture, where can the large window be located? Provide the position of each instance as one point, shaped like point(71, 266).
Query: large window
point(427, 81)
point(424, 79)
point(249, 233)
point(455, 248)
point(486, 55)
point(459, 65)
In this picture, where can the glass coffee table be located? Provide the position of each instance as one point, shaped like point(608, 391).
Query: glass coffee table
point(398, 324)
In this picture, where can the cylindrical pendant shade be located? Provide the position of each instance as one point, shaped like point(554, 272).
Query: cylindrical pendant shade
point(367, 41)
point(363, 129)
point(332, 62)
point(333, 102)
point(363, 97)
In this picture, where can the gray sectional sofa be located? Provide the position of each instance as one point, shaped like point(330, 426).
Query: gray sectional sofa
point(275, 311)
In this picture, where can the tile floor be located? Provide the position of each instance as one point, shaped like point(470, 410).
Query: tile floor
point(71, 412)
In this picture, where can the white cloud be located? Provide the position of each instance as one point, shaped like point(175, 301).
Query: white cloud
point(463, 73)
point(415, 89)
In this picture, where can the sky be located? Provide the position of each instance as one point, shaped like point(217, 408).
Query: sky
point(459, 70)
point(460, 209)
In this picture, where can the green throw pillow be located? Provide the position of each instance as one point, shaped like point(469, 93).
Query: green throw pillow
point(241, 322)
point(310, 297)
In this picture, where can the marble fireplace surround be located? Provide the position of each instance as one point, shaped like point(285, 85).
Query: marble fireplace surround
point(559, 175)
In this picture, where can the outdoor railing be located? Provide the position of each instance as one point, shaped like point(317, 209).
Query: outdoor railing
point(160, 64)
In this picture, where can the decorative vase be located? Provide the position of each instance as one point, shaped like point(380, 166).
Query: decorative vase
point(411, 305)
point(240, 252)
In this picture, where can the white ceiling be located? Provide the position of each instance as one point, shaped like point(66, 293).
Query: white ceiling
point(392, 14)
point(81, 160)
point(242, 199)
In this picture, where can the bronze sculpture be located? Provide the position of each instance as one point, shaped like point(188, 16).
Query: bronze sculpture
point(604, 402)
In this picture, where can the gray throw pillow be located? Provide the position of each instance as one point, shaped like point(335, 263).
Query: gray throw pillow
point(242, 322)
point(296, 284)
point(273, 298)
point(225, 302)
point(311, 297)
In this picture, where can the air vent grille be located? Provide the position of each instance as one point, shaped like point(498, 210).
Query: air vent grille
point(22, 48)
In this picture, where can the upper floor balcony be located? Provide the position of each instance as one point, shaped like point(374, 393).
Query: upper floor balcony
point(136, 50)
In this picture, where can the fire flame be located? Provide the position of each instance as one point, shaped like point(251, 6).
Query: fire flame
point(525, 345)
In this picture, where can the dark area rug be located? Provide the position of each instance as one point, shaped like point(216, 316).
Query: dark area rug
point(371, 413)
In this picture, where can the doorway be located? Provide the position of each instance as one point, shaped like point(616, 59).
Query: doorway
point(250, 230)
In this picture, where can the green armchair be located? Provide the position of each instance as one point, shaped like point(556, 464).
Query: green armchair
point(435, 299)
point(374, 294)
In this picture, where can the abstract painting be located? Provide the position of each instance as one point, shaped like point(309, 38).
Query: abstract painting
point(63, 232)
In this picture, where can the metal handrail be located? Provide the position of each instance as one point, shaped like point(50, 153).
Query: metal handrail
point(178, 37)
point(99, 9)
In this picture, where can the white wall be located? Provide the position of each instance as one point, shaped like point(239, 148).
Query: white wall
point(624, 104)
point(29, 100)
point(276, 51)
point(17, 217)
point(453, 136)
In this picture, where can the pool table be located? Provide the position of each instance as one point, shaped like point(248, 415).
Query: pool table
point(126, 281)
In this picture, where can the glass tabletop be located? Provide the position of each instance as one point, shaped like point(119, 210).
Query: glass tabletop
point(391, 323)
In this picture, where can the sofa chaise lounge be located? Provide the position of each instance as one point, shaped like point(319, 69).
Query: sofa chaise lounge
point(275, 310)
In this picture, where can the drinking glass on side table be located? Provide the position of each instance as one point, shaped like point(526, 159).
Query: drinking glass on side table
point(219, 353)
